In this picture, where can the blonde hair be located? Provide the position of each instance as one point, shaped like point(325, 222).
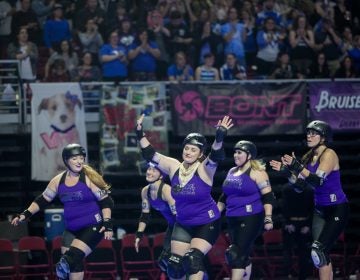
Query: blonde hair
point(95, 177)
point(257, 164)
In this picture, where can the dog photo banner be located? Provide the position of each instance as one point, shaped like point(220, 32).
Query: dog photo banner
point(121, 106)
point(337, 103)
point(57, 119)
point(256, 109)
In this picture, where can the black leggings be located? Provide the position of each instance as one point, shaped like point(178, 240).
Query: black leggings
point(244, 231)
point(328, 223)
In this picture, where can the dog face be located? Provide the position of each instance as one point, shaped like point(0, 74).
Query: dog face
point(60, 109)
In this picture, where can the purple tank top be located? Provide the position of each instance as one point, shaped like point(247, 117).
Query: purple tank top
point(80, 204)
point(161, 206)
point(330, 192)
point(243, 197)
point(194, 203)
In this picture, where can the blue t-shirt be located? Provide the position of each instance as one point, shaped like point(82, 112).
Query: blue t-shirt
point(145, 61)
point(114, 68)
point(176, 72)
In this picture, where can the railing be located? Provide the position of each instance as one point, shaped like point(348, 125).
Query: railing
point(15, 97)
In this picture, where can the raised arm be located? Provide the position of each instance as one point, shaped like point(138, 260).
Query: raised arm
point(217, 153)
point(167, 164)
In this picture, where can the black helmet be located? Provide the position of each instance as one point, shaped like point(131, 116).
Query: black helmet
point(246, 146)
point(321, 127)
point(196, 139)
point(71, 150)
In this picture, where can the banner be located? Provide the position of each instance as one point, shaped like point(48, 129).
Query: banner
point(337, 103)
point(256, 109)
point(121, 106)
point(57, 119)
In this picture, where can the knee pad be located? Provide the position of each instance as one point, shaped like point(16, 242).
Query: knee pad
point(175, 268)
point(193, 261)
point(234, 258)
point(74, 257)
point(319, 257)
point(164, 259)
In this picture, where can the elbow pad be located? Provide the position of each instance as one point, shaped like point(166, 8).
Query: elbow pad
point(314, 180)
point(217, 155)
point(268, 198)
point(148, 153)
point(144, 218)
point(41, 202)
point(107, 202)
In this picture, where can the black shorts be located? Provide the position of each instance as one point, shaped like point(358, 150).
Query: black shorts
point(89, 235)
point(209, 232)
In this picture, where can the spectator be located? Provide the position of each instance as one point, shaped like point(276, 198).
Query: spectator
point(284, 69)
point(25, 17)
point(231, 70)
point(27, 53)
point(58, 72)
point(348, 41)
point(86, 71)
point(250, 46)
point(268, 11)
point(234, 35)
point(161, 34)
point(328, 41)
point(342, 15)
point(319, 68)
point(207, 72)
point(120, 15)
point(354, 53)
point(43, 10)
point(269, 43)
point(143, 54)
point(180, 70)
point(180, 38)
point(210, 42)
point(302, 44)
point(56, 29)
point(65, 52)
point(5, 26)
point(346, 69)
point(91, 11)
point(113, 57)
point(126, 33)
point(91, 40)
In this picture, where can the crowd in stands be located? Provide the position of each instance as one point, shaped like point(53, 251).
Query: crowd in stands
point(146, 40)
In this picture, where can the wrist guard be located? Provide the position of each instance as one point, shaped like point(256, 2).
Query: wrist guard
point(296, 166)
point(284, 170)
point(268, 220)
point(139, 132)
point(221, 132)
point(148, 153)
point(107, 223)
point(139, 234)
point(26, 213)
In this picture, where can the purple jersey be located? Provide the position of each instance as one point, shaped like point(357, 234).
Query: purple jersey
point(161, 206)
point(243, 197)
point(81, 208)
point(330, 192)
point(194, 203)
